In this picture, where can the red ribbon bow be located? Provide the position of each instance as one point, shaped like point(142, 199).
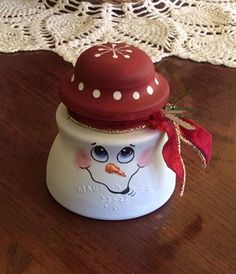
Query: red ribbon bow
point(181, 129)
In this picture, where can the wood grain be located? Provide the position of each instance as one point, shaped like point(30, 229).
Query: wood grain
point(193, 234)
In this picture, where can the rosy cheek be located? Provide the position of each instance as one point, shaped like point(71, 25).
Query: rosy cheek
point(82, 159)
point(145, 158)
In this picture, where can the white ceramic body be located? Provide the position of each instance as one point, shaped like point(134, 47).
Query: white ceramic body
point(91, 191)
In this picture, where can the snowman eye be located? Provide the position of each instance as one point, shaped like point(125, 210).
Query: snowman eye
point(99, 154)
point(126, 155)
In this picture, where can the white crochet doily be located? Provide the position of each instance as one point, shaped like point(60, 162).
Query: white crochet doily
point(201, 30)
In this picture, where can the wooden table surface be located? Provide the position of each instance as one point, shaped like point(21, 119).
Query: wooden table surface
point(192, 234)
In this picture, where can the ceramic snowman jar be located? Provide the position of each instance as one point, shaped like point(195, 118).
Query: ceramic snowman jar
point(105, 163)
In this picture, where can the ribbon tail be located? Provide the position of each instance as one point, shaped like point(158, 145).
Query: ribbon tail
point(180, 129)
point(172, 152)
point(200, 139)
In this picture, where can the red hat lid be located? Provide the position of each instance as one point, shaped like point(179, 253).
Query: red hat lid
point(113, 85)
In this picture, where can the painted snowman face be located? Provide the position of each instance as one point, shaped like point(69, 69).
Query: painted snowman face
point(112, 167)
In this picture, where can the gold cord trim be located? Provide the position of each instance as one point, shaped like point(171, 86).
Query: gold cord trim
point(203, 159)
point(176, 126)
point(110, 131)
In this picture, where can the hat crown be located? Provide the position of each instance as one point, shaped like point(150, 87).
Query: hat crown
point(113, 85)
point(114, 65)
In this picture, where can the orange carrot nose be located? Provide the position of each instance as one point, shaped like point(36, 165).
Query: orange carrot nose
point(112, 168)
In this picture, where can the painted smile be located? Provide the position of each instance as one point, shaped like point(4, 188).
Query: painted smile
point(124, 191)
